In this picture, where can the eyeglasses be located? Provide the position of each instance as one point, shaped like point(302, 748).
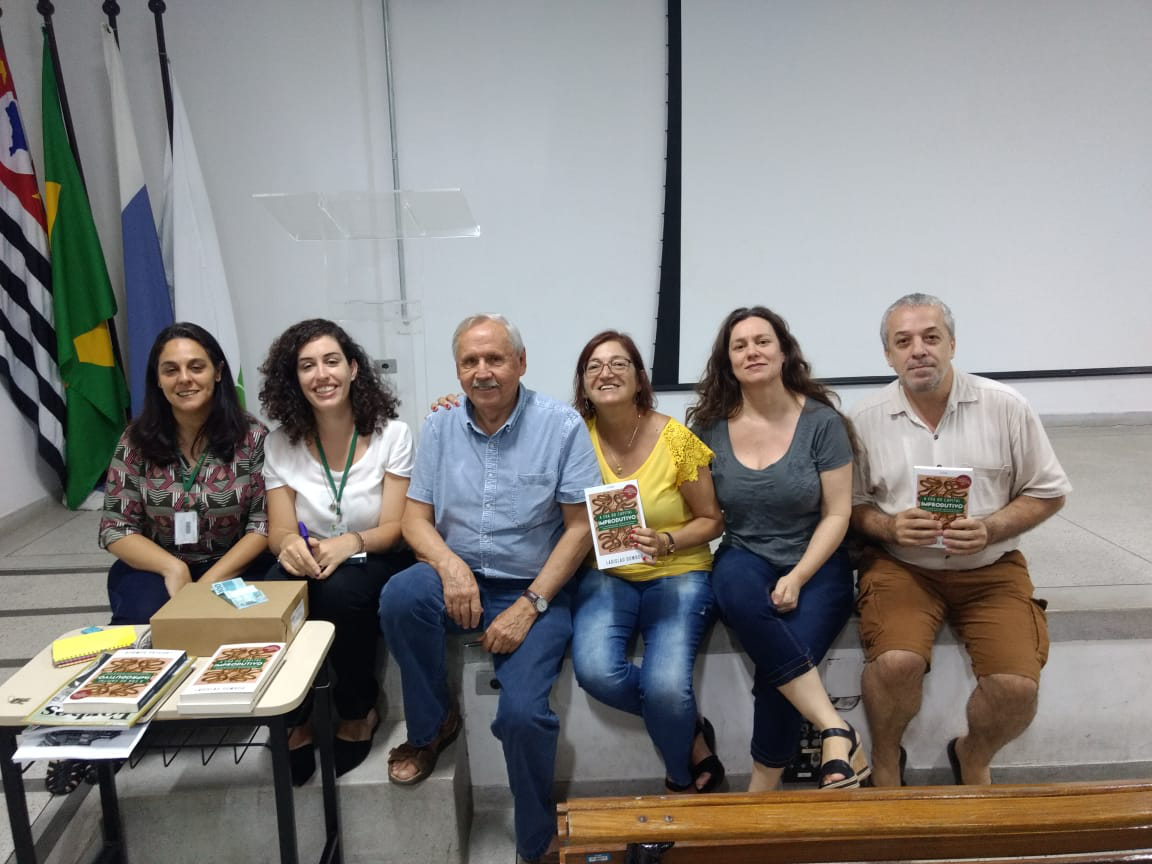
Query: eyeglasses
point(616, 364)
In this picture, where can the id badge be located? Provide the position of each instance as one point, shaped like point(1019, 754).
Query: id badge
point(187, 528)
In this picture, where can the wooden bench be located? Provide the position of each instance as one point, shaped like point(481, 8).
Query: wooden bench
point(1073, 822)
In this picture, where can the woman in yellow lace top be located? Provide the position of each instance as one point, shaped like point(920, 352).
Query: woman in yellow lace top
point(667, 599)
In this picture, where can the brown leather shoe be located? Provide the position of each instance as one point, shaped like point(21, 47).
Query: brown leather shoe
point(424, 758)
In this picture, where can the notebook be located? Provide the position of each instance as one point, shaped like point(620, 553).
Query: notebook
point(87, 646)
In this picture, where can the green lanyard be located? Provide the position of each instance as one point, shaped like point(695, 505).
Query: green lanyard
point(189, 480)
point(337, 494)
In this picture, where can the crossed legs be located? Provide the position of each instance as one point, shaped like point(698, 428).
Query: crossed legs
point(785, 648)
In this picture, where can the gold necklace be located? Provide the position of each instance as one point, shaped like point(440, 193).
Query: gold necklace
point(604, 447)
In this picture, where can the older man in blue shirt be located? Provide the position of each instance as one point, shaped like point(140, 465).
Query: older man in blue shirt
point(496, 517)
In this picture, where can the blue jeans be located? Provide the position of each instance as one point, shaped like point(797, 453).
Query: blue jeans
point(414, 623)
point(782, 646)
point(671, 614)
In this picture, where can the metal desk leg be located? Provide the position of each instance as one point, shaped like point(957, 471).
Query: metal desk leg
point(322, 718)
point(113, 827)
point(282, 785)
point(14, 797)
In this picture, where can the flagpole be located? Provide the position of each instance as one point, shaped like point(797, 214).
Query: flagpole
point(45, 8)
point(158, 7)
point(112, 9)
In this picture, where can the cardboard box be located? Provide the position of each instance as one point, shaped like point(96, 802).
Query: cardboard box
point(199, 622)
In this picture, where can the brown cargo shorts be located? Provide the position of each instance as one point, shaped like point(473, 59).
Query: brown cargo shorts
point(991, 609)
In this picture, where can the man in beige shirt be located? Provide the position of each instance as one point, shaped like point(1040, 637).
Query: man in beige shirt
point(971, 573)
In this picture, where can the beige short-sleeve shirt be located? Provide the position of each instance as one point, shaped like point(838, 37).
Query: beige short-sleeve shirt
point(987, 426)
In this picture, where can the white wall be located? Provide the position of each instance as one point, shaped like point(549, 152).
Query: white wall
point(548, 114)
point(26, 479)
point(839, 154)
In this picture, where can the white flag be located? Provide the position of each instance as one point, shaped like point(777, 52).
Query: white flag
point(191, 249)
point(147, 301)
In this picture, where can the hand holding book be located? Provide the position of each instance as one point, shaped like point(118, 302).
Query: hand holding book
point(942, 496)
point(916, 527)
point(966, 536)
point(653, 544)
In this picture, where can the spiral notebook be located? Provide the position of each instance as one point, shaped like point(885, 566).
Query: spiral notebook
point(88, 646)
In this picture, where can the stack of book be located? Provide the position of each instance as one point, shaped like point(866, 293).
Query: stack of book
point(233, 679)
point(103, 711)
point(128, 681)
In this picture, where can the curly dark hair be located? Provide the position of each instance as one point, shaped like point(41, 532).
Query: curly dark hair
point(718, 395)
point(645, 399)
point(155, 433)
point(373, 403)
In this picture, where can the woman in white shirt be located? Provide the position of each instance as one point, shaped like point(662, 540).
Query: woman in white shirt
point(336, 472)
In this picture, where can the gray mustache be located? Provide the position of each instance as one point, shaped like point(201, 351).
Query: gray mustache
point(485, 385)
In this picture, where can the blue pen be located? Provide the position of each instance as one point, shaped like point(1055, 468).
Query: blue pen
point(304, 533)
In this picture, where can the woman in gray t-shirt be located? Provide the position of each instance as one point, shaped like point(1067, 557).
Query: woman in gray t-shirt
point(783, 476)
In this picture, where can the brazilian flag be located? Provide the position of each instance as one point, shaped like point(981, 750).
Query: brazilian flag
point(83, 302)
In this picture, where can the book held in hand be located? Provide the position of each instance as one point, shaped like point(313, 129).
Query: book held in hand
point(943, 492)
point(233, 679)
point(126, 681)
point(614, 509)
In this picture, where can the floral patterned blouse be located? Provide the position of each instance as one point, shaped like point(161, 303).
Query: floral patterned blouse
point(143, 498)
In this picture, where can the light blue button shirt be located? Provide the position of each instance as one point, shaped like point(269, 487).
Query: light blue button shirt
point(497, 497)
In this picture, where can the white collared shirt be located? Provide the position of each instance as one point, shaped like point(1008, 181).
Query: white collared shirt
point(987, 426)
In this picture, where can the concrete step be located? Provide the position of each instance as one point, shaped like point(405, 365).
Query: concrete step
point(225, 811)
point(25, 635)
point(1093, 698)
point(46, 527)
point(30, 593)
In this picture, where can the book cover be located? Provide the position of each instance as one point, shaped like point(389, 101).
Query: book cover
point(613, 510)
point(51, 713)
point(234, 677)
point(126, 681)
point(88, 646)
point(943, 492)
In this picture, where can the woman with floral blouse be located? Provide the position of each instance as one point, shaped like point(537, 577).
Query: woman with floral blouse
point(184, 497)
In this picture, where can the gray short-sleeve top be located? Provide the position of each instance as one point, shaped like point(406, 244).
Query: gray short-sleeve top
point(774, 511)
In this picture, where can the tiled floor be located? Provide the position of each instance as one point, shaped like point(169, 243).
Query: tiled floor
point(52, 573)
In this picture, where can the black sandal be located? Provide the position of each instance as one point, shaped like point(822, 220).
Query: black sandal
point(954, 762)
point(710, 764)
point(64, 776)
point(855, 771)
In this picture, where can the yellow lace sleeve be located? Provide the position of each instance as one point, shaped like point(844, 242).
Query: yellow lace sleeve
point(689, 453)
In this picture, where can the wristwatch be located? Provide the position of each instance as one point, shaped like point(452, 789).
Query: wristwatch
point(536, 600)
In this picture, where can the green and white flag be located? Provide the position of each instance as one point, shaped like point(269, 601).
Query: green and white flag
point(83, 302)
